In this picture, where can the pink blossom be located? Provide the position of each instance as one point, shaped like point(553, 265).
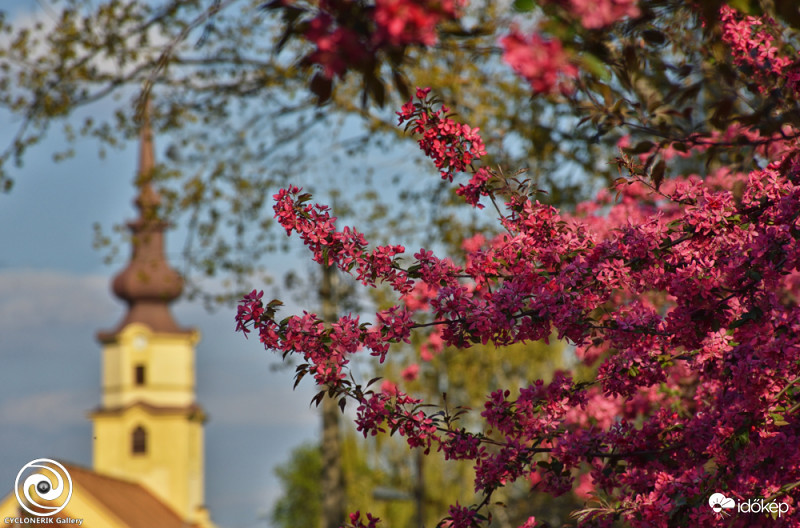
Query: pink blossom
point(684, 301)
point(411, 372)
point(595, 14)
point(388, 387)
point(462, 517)
point(585, 488)
point(473, 243)
point(402, 22)
point(337, 48)
point(541, 62)
point(357, 522)
point(752, 42)
point(452, 146)
point(433, 346)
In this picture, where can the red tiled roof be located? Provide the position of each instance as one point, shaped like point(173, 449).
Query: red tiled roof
point(128, 501)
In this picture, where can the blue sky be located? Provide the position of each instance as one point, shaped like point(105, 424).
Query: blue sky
point(55, 296)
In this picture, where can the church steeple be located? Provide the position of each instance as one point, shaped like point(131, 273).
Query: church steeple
point(148, 428)
point(148, 284)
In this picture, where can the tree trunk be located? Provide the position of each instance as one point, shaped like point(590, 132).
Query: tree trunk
point(333, 489)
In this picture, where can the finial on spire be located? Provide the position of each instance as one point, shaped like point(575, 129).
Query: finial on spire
point(148, 284)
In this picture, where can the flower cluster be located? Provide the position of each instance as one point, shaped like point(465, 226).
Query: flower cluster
point(462, 517)
point(684, 299)
point(451, 145)
point(357, 522)
point(595, 14)
point(403, 22)
point(346, 249)
point(337, 48)
point(349, 34)
point(752, 41)
point(541, 62)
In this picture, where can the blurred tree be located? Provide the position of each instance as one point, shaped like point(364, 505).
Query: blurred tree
point(229, 93)
point(239, 92)
point(301, 501)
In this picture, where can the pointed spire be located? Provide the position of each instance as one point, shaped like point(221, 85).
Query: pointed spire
point(146, 156)
point(148, 200)
point(148, 284)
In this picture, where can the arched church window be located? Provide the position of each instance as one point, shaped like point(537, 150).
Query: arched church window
point(139, 441)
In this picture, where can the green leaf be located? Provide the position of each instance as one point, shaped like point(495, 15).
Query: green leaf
point(641, 147)
point(592, 64)
point(523, 5)
point(748, 7)
point(657, 175)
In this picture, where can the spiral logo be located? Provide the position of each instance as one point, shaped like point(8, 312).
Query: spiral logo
point(46, 487)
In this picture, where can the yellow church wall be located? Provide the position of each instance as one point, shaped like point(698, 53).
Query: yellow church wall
point(172, 464)
point(168, 360)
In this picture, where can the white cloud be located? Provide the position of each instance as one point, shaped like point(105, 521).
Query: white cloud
point(48, 411)
point(41, 299)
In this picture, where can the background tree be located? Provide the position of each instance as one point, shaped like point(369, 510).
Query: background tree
point(240, 123)
point(229, 79)
point(301, 502)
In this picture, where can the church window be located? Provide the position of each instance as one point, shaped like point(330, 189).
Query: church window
point(138, 375)
point(139, 441)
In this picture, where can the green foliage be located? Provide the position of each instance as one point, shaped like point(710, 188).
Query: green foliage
point(300, 503)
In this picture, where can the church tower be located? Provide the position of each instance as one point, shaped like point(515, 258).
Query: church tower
point(148, 428)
